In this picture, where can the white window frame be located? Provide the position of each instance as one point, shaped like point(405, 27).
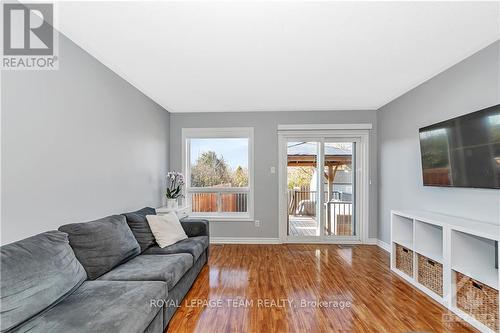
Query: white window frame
point(217, 133)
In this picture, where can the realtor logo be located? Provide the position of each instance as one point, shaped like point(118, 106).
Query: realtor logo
point(28, 36)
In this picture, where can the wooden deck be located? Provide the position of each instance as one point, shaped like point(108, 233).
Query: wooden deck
point(307, 225)
point(302, 226)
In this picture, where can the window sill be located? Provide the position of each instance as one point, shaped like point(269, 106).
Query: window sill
point(222, 218)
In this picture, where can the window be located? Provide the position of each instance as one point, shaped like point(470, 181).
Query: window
point(218, 164)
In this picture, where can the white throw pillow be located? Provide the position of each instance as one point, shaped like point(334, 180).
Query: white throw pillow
point(167, 229)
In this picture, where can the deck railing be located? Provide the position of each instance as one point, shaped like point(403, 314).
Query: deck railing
point(296, 198)
point(339, 220)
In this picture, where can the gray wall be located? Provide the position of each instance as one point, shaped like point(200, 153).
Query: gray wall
point(266, 155)
point(468, 86)
point(77, 144)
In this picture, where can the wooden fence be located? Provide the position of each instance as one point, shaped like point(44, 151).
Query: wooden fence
point(214, 202)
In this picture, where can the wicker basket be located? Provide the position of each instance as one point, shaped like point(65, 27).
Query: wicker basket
point(478, 300)
point(404, 260)
point(430, 274)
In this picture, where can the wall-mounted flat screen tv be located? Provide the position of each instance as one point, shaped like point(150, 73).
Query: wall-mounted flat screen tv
point(463, 151)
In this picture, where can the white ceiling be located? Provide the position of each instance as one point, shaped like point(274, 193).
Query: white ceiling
point(273, 56)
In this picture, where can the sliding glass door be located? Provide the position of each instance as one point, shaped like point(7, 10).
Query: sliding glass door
point(302, 188)
point(339, 182)
point(319, 188)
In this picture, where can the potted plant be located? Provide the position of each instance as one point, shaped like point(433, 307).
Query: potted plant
point(175, 182)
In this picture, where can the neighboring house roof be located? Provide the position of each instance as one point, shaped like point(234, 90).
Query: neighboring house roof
point(310, 148)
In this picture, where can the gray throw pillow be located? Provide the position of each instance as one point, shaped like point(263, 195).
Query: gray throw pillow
point(140, 228)
point(102, 244)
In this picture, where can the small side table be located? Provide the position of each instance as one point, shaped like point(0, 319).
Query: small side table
point(181, 211)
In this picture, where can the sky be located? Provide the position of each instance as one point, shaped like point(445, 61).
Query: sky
point(234, 150)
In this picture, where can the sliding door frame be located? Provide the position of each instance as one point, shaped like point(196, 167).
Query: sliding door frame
point(325, 134)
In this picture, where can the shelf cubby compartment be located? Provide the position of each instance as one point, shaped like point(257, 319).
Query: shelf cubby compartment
point(474, 257)
point(429, 240)
point(402, 231)
point(430, 274)
point(477, 299)
point(404, 259)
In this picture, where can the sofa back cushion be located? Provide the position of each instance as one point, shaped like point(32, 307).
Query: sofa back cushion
point(140, 228)
point(36, 272)
point(102, 244)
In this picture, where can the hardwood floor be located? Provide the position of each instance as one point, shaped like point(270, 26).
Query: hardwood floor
point(266, 288)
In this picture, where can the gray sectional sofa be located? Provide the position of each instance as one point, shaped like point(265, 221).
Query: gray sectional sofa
point(106, 275)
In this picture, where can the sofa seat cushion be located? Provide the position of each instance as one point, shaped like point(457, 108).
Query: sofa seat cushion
point(102, 306)
point(167, 268)
point(192, 245)
point(102, 244)
point(36, 272)
point(140, 228)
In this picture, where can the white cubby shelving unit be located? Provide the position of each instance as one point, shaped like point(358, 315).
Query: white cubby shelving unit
point(463, 245)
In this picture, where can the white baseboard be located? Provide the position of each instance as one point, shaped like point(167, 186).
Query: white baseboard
point(244, 240)
point(379, 243)
point(262, 240)
point(383, 245)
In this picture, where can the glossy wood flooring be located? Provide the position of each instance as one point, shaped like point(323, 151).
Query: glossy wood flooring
point(277, 288)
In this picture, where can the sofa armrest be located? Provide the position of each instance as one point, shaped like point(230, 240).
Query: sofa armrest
point(195, 227)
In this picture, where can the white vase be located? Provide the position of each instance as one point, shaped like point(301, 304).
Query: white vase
point(171, 203)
